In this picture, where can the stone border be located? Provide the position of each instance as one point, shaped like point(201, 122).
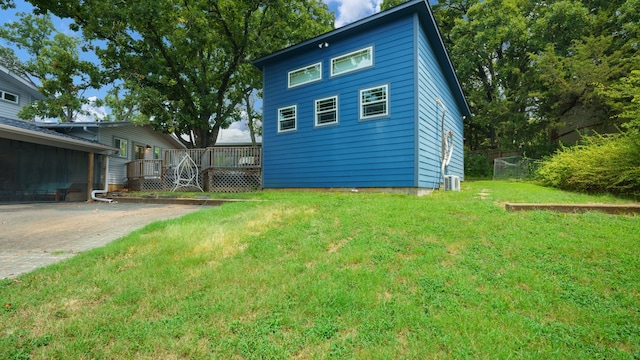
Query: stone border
point(576, 208)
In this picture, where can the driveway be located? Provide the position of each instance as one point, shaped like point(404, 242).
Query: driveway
point(36, 235)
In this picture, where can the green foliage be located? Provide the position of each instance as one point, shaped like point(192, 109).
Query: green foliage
point(527, 66)
point(624, 95)
point(55, 62)
point(346, 275)
point(187, 65)
point(602, 164)
point(388, 4)
point(6, 4)
point(477, 166)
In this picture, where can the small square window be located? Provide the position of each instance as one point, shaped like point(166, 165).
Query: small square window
point(287, 120)
point(305, 75)
point(326, 111)
point(374, 102)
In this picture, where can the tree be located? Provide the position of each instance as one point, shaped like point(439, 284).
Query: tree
point(6, 4)
point(254, 118)
point(524, 65)
point(187, 62)
point(124, 106)
point(388, 4)
point(55, 62)
point(624, 97)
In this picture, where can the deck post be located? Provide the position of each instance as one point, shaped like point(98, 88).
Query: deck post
point(90, 176)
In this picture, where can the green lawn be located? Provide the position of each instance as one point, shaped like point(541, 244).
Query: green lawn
point(345, 275)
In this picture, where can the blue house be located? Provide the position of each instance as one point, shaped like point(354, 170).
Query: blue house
point(370, 105)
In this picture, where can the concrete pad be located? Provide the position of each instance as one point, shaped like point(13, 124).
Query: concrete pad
point(36, 235)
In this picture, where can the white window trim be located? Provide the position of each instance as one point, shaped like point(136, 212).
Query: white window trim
point(316, 113)
point(334, 59)
point(318, 64)
point(2, 96)
point(126, 156)
point(386, 100)
point(295, 118)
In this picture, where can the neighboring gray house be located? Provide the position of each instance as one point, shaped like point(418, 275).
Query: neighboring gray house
point(136, 142)
point(39, 164)
point(49, 161)
point(16, 91)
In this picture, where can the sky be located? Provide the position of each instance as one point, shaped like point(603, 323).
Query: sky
point(346, 11)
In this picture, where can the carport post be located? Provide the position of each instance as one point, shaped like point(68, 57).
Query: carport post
point(90, 177)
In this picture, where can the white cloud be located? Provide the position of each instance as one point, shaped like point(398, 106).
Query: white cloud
point(348, 11)
point(94, 113)
point(233, 135)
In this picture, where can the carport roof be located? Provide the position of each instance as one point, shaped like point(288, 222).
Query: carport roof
point(26, 131)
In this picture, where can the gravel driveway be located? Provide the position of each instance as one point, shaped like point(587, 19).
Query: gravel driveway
point(35, 235)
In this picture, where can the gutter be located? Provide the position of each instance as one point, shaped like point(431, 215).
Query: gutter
point(106, 186)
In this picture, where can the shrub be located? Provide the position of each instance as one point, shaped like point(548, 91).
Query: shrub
point(477, 165)
point(601, 164)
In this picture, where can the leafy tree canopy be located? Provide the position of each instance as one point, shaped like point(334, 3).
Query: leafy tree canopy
point(55, 62)
point(526, 66)
point(188, 64)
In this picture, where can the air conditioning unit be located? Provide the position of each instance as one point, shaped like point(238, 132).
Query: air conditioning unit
point(451, 183)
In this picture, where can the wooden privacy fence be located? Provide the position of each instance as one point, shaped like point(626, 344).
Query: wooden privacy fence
point(218, 169)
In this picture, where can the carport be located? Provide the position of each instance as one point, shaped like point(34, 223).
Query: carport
point(43, 165)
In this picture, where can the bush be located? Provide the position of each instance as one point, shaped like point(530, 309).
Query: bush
point(601, 164)
point(477, 165)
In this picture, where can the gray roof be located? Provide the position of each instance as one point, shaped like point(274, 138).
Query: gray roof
point(67, 126)
point(29, 131)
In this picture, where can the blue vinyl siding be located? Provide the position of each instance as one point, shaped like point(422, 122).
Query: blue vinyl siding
point(377, 152)
point(432, 85)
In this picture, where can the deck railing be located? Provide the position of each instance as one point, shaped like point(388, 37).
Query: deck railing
point(139, 169)
point(242, 158)
point(231, 157)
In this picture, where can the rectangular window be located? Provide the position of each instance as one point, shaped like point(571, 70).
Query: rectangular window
point(374, 102)
point(327, 111)
point(305, 75)
point(9, 97)
point(287, 118)
point(353, 61)
point(121, 144)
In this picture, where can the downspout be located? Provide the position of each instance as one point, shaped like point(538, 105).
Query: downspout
point(106, 185)
point(447, 141)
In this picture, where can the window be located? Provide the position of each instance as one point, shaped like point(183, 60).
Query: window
point(287, 118)
point(121, 144)
point(9, 97)
point(353, 61)
point(305, 75)
point(374, 102)
point(138, 152)
point(327, 111)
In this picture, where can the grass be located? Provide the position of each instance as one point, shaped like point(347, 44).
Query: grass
point(344, 275)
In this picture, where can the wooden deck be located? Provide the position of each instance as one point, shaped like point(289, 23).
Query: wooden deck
point(226, 169)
